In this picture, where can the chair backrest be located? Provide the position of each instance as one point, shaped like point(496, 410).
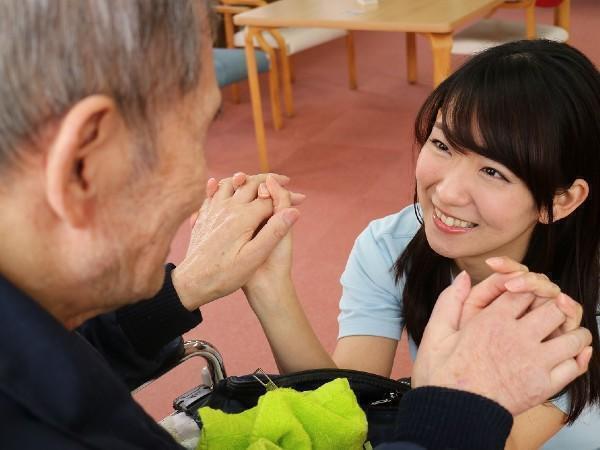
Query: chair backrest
point(230, 8)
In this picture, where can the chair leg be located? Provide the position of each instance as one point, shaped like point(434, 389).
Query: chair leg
point(274, 93)
point(288, 98)
point(273, 82)
point(257, 115)
point(562, 15)
point(351, 60)
point(235, 92)
point(411, 57)
point(292, 69)
point(530, 30)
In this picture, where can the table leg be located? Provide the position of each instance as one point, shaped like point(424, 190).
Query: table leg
point(441, 46)
point(259, 124)
point(411, 57)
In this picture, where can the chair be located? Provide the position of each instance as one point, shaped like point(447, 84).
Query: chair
point(230, 64)
point(290, 41)
point(489, 32)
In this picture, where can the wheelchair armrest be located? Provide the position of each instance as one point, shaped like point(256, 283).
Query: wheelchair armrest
point(214, 360)
point(192, 349)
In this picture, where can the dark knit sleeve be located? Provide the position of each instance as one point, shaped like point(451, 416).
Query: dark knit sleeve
point(439, 418)
point(151, 324)
point(142, 340)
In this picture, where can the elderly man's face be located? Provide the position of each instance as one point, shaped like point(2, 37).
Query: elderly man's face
point(151, 207)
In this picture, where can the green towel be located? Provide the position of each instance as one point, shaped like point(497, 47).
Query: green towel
point(327, 418)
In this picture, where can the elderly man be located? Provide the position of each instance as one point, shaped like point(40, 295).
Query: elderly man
point(104, 107)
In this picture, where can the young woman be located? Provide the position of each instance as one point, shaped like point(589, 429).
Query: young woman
point(509, 166)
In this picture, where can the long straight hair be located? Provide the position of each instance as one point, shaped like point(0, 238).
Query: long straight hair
point(534, 107)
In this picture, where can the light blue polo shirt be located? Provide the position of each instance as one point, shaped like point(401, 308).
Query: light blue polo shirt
point(371, 304)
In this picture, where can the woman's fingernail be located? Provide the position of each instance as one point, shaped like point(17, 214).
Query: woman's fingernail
point(459, 278)
point(514, 284)
point(262, 190)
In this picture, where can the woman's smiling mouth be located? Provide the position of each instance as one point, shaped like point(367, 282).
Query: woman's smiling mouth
point(451, 224)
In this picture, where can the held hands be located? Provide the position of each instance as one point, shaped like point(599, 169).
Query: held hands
point(274, 275)
point(514, 277)
point(505, 352)
point(237, 228)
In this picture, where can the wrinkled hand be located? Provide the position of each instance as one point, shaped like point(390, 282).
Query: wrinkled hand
point(234, 233)
point(504, 353)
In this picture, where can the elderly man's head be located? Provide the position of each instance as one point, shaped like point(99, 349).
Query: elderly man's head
point(104, 106)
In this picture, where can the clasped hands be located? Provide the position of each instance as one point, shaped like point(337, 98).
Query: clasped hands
point(239, 226)
point(514, 337)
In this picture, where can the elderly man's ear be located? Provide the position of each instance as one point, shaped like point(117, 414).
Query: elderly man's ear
point(78, 158)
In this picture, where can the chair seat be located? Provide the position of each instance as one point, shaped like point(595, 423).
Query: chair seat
point(296, 39)
point(230, 64)
point(489, 33)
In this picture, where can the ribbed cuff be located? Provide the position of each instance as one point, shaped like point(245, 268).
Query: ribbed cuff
point(151, 324)
point(441, 418)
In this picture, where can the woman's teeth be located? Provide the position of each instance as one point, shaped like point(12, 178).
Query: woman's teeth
point(453, 221)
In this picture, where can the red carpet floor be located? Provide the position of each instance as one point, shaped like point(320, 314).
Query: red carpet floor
point(351, 152)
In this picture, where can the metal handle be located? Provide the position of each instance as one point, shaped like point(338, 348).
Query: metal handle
point(209, 352)
point(192, 349)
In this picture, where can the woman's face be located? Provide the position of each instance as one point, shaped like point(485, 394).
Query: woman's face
point(473, 207)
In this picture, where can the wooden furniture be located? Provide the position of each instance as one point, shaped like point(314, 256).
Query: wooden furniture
point(229, 54)
point(436, 19)
point(492, 32)
point(292, 40)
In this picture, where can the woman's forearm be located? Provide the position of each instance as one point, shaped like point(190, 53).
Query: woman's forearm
point(293, 341)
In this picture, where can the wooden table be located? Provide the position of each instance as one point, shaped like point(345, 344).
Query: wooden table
point(437, 19)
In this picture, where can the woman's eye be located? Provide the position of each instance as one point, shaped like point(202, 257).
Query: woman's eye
point(439, 144)
point(493, 173)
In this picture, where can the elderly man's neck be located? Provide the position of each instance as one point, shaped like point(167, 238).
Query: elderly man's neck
point(32, 258)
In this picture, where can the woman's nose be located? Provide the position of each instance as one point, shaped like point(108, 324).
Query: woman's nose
point(453, 189)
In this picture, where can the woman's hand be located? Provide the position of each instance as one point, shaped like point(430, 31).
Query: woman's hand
point(233, 234)
point(514, 277)
point(272, 280)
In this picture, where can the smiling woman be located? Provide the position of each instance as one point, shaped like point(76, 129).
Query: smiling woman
point(508, 167)
point(505, 171)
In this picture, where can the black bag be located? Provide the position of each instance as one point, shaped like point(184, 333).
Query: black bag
point(377, 396)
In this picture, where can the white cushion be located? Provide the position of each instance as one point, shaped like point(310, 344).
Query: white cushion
point(488, 33)
point(296, 39)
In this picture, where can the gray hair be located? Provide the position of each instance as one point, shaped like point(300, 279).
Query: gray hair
point(54, 53)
